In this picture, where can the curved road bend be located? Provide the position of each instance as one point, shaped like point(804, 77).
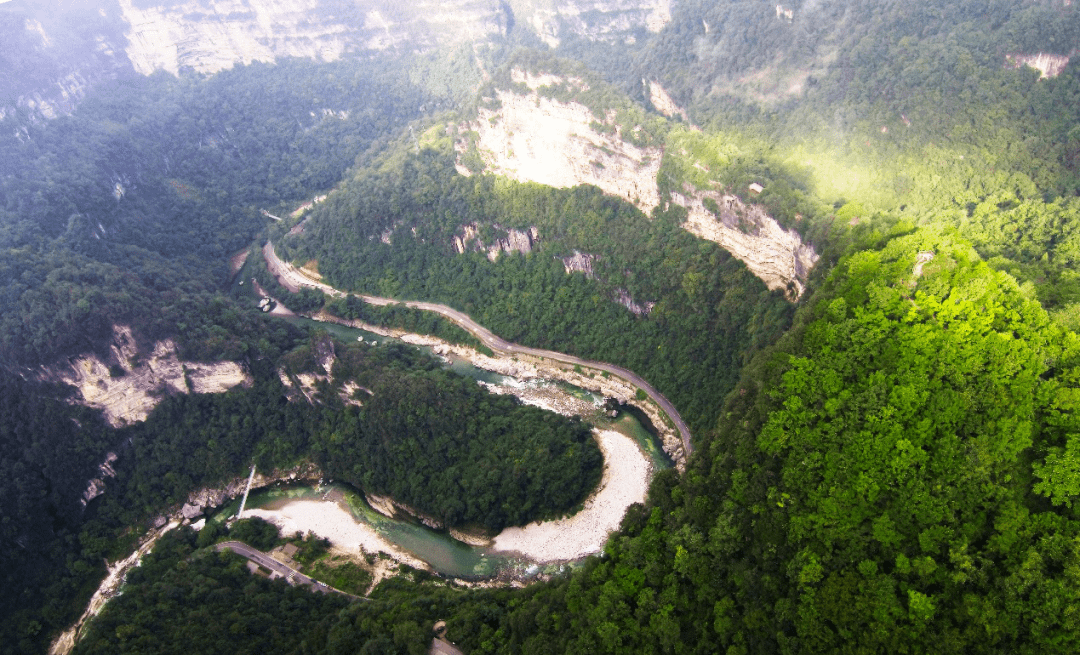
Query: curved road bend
point(293, 279)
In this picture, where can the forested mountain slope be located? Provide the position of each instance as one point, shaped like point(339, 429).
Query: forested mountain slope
point(892, 477)
point(923, 109)
point(895, 475)
point(129, 210)
point(602, 281)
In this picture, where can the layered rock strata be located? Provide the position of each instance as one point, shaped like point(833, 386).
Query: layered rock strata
point(129, 384)
point(534, 138)
point(530, 137)
point(775, 255)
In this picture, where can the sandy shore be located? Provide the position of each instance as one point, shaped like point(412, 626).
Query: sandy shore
point(626, 477)
point(627, 473)
point(327, 519)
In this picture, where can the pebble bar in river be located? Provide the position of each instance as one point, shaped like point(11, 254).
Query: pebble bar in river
point(625, 482)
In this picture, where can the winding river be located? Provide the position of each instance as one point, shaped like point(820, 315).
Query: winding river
point(343, 515)
point(631, 457)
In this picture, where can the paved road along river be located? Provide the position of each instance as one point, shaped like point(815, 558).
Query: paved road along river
point(292, 279)
point(291, 575)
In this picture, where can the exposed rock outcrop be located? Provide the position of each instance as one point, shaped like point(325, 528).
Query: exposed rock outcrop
point(623, 297)
point(662, 102)
point(90, 42)
point(305, 385)
point(52, 57)
point(604, 20)
point(533, 138)
point(521, 241)
point(579, 262)
point(96, 486)
point(777, 256)
point(392, 508)
point(211, 35)
point(348, 393)
point(129, 384)
point(204, 500)
point(1048, 65)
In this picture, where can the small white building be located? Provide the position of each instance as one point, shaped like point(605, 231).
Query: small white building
point(755, 187)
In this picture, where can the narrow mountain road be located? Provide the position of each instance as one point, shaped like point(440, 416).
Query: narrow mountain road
point(293, 279)
point(291, 575)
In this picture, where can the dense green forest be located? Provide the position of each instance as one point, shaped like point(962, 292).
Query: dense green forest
point(430, 438)
point(446, 447)
point(128, 209)
point(889, 466)
point(259, 615)
point(710, 313)
point(912, 108)
point(222, 608)
point(895, 475)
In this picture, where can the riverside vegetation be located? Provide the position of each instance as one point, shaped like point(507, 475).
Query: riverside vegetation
point(428, 437)
point(896, 473)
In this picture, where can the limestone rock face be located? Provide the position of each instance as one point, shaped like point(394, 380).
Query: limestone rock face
point(520, 241)
point(96, 486)
point(623, 297)
point(53, 57)
point(130, 384)
point(58, 62)
point(1048, 65)
point(202, 501)
point(777, 256)
point(580, 262)
point(604, 20)
point(662, 102)
point(532, 138)
point(211, 35)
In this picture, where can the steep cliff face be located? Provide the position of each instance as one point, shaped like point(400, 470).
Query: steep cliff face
point(49, 59)
point(129, 384)
point(777, 256)
point(533, 138)
point(607, 21)
point(210, 35)
point(53, 52)
point(530, 137)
